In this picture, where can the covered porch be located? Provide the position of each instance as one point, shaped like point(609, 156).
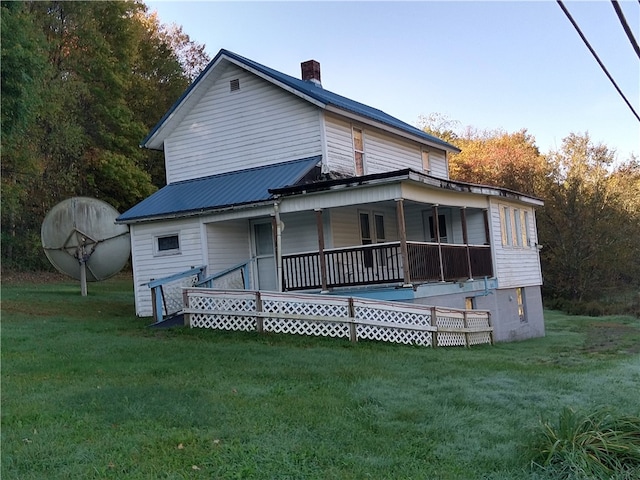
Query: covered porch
point(396, 242)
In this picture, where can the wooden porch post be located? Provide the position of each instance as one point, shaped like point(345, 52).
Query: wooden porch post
point(465, 239)
point(436, 228)
point(321, 257)
point(278, 252)
point(402, 233)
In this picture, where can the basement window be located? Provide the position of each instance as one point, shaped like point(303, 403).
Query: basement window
point(234, 85)
point(167, 244)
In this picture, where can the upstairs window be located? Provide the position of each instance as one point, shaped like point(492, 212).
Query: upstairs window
point(358, 151)
point(426, 165)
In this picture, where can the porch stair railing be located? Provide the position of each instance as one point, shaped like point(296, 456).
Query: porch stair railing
point(332, 316)
point(167, 292)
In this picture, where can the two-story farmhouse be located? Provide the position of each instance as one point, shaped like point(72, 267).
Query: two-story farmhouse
point(320, 193)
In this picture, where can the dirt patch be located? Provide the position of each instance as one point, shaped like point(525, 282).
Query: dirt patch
point(612, 337)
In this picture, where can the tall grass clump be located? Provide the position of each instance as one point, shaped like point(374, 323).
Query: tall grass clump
point(595, 445)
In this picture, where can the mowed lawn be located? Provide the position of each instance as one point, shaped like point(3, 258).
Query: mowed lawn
point(88, 391)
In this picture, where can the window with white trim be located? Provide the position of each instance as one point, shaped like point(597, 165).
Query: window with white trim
point(426, 165)
point(515, 226)
point(167, 244)
point(358, 151)
point(372, 231)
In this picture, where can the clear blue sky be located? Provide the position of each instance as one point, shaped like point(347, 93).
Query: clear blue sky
point(490, 65)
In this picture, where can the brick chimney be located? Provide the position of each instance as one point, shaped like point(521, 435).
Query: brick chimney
point(311, 72)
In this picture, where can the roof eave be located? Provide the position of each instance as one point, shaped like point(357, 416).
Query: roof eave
point(195, 213)
point(391, 129)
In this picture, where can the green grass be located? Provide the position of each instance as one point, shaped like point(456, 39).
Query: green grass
point(88, 391)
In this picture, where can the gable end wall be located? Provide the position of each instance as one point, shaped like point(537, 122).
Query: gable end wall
point(259, 124)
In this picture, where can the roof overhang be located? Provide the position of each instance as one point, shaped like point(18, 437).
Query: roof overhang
point(410, 176)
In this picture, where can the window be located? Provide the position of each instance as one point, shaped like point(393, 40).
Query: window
point(521, 305)
point(167, 244)
point(469, 303)
point(505, 226)
point(358, 151)
point(526, 240)
point(515, 227)
point(430, 232)
point(518, 227)
point(426, 166)
point(369, 236)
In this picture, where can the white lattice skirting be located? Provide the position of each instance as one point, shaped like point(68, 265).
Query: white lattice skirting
point(339, 317)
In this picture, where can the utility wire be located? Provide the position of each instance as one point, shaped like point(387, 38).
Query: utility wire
point(604, 69)
point(625, 26)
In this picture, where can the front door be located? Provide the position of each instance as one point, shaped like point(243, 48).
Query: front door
point(264, 256)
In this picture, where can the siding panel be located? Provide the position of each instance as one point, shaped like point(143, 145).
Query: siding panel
point(147, 265)
point(259, 124)
point(515, 266)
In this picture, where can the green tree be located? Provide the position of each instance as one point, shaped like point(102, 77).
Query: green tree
point(82, 84)
point(589, 224)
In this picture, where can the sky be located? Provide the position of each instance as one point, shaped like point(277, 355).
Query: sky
point(508, 65)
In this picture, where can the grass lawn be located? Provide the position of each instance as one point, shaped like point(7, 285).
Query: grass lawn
point(88, 391)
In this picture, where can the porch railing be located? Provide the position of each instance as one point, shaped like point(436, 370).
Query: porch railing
point(382, 263)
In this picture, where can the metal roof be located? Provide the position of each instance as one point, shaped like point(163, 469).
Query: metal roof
point(308, 89)
point(219, 191)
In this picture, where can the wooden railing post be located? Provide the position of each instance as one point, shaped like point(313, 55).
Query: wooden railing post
point(436, 229)
point(434, 323)
point(321, 257)
point(353, 333)
point(259, 319)
point(185, 305)
point(465, 239)
point(465, 325)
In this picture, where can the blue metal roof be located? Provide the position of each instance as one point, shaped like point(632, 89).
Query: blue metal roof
point(219, 191)
point(317, 93)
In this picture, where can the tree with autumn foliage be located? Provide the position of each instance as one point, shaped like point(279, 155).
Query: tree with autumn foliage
point(590, 223)
point(82, 84)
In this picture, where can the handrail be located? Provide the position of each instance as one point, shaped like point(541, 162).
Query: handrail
point(176, 276)
point(157, 295)
point(208, 281)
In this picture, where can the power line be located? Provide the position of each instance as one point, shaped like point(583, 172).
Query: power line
point(625, 26)
point(604, 69)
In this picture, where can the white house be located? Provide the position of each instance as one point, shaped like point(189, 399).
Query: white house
point(322, 194)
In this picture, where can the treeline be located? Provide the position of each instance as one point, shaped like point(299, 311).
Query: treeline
point(589, 227)
point(82, 84)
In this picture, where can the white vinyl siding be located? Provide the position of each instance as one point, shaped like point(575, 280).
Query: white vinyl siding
point(383, 152)
point(438, 163)
point(259, 124)
point(147, 265)
point(516, 266)
point(300, 232)
point(345, 224)
point(228, 245)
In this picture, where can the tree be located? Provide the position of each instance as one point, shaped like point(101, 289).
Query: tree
point(82, 84)
point(589, 224)
point(491, 157)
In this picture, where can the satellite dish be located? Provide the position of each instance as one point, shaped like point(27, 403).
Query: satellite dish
point(81, 239)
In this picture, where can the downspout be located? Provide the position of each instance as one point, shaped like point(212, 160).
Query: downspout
point(279, 228)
